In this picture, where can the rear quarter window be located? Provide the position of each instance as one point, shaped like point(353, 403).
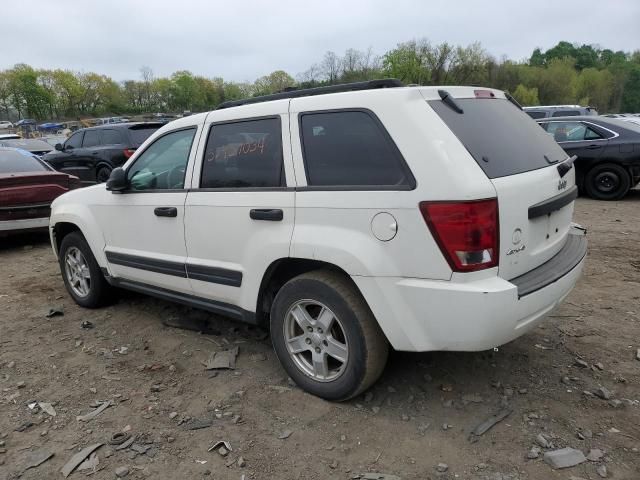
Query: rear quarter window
point(138, 136)
point(14, 161)
point(351, 148)
point(502, 139)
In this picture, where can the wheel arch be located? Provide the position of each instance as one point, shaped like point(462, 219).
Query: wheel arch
point(282, 270)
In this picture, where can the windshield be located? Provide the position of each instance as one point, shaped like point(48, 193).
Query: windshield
point(16, 161)
point(502, 139)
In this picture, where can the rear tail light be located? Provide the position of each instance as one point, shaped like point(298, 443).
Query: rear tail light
point(466, 232)
point(128, 152)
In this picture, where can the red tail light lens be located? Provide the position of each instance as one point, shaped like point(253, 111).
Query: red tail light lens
point(128, 152)
point(466, 232)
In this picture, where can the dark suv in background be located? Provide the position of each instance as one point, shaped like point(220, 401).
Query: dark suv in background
point(91, 153)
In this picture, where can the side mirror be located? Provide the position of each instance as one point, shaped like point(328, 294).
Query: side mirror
point(117, 180)
point(59, 147)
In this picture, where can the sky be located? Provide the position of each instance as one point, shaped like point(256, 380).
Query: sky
point(241, 40)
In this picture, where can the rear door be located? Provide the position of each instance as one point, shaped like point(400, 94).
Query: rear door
point(535, 202)
point(578, 138)
point(240, 209)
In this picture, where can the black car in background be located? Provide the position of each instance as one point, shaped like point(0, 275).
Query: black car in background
point(608, 151)
point(91, 153)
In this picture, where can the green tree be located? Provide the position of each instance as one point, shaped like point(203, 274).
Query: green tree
point(406, 63)
point(526, 96)
point(274, 82)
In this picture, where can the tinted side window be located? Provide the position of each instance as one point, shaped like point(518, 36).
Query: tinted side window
point(534, 114)
point(566, 113)
point(91, 138)
point(572, 132)
point(350, 148)
point(74, 140)
point(163, 164)
point(244, 154)
point(112, 137)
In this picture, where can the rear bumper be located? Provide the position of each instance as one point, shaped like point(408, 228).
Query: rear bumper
point(425, 315)
point(7, 226)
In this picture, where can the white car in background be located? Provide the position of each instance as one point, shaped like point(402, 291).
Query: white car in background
point(4, 124)
point(347, 219)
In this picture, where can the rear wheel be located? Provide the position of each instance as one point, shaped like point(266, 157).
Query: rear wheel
point(326, 337)
point(103, 174)
point(607, 181)
point(81, 273)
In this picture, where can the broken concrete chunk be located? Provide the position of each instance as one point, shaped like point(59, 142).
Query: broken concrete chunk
point(47, 408)
point(581, 363)
point(595, 454)
point(603, 393)
point(197, 424)
point(284, 435)
point(225, 359)
point(602, 471)
point(122, 472)
point(564, 458)
point(543, 442)
point(54, 312)
point(442, 467)
point(533, 453)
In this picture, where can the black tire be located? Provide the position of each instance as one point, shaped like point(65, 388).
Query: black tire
point(99, 289)
point(367, 346)
point(607, 181)
point(103, 173)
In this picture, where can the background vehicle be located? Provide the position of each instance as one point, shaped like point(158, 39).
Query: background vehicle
point(4, 124)
point(545, 111)
point(608, 151)
point(315, 212)
point(24, 122)
point(33, 145)
point(9, 136)
point(27, 188)
point(92, 153)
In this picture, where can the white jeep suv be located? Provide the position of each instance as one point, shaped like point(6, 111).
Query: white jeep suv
point(346, 218)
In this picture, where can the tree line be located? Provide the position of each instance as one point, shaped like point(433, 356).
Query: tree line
point(565, 74)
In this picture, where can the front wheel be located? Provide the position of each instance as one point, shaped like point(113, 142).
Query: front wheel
point(607, 181)
point(81, 273)
point(103, 174)
point(326, 337)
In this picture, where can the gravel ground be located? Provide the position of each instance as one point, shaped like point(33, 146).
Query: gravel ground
point(416, 422)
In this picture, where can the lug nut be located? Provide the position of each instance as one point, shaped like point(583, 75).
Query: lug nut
point(308, 340)
point(319, 330)
point(317, 349)
point(310, 329)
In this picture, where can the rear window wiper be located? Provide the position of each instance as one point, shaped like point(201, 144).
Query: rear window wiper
point(448, 100)
point(565, 166)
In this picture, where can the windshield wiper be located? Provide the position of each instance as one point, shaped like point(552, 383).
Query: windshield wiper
point(448, 100)
point(565, 166)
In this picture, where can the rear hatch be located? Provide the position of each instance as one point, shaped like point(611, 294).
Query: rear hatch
point(535, 203)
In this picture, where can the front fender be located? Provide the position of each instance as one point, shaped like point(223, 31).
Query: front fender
point(80, 216)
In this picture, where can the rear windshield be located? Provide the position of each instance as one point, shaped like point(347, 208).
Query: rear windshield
point(13, 161)
point(139, 135)
point(502, 139)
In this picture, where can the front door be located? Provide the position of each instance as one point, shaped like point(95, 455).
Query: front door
point(144, 231)
point(239, 212)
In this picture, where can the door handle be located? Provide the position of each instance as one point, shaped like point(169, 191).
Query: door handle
point(593, 147)
point(166, 212)
point(269, 214)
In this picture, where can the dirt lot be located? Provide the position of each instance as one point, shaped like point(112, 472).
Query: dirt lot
point(420, 414)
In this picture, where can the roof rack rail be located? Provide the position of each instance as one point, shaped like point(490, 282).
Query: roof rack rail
point(306, 92)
